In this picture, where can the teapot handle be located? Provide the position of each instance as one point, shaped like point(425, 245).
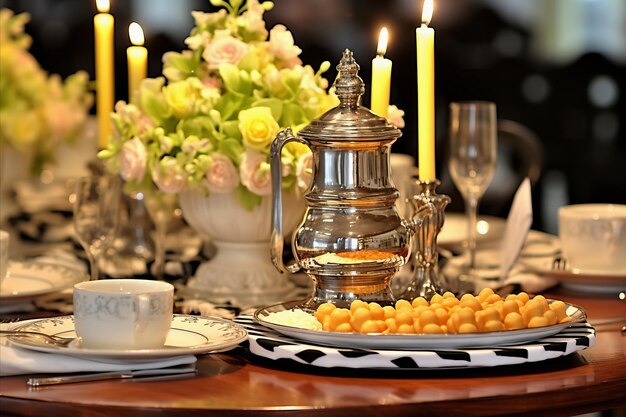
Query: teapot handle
point(277, 239)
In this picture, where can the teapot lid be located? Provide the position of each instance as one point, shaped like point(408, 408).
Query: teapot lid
point(349, 121)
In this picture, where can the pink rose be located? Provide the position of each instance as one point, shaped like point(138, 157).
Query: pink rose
point(222, 176)
point(255, 173)
point(304, 170)
point(169, 176)
point(281, 45)
point(224, 49)
point(133, 157)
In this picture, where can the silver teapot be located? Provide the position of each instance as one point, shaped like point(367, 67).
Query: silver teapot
point(352, 240)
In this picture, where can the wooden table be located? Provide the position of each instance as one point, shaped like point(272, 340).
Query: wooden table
point(233, 384)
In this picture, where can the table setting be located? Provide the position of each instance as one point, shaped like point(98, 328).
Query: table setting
point(242, 225)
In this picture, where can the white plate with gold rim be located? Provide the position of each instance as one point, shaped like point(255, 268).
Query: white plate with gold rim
point(414, 341)
point(189, 335)
point(30, 279)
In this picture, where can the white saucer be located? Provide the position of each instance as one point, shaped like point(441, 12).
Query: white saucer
point(189, 335)
point(597, 283)
point(28, 280)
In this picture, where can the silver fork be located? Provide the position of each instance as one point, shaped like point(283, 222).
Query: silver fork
point(46, 338)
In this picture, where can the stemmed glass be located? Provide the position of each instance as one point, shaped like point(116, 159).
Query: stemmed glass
point(161, 208)
point(96, 210)
point(472, 163)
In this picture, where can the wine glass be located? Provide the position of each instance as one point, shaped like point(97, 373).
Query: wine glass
point(161, 208)
point(96, 210)
point(472, 163)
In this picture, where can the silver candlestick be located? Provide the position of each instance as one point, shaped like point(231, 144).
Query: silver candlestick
point(426, 279)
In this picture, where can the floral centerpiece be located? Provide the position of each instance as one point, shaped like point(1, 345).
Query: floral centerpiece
point(209, 122)
point(203, 132)
point(38, 111)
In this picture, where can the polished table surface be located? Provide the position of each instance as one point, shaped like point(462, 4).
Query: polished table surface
point(234, 384)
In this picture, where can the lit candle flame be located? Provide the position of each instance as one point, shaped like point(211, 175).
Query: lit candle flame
point(103, 6)
point(427, 12)
point(136, 34)
point(382, 42)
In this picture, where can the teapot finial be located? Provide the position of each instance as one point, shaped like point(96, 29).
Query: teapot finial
point(349, 86)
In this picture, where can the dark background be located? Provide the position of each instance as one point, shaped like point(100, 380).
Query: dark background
point(556, 66)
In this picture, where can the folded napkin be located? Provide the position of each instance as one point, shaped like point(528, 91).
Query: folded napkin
point(17, 361)
point(517, 227)
point(519, 240)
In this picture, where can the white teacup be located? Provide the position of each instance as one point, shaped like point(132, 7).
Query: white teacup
point(4, 254)
point(593, 238)
point(123, 313)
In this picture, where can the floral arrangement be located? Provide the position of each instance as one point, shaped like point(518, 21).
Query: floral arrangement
point(209, 122)
point(37, 111)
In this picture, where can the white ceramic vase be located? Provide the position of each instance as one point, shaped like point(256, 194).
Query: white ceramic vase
point(241, 270)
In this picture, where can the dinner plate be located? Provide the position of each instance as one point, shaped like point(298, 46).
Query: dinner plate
point(189, 335)
point(414, 341)
point(27, 280)
point(454, 230)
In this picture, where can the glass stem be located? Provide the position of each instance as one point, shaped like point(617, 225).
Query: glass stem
point(94, 273)
point(472, 214)
point(159, 251)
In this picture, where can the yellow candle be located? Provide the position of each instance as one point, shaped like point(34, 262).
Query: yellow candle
point(105, 85)
point(381, 77)
point(137, 57)
point(425, 37)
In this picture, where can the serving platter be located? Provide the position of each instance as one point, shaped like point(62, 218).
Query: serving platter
point(413, 341)
point(268, 344)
